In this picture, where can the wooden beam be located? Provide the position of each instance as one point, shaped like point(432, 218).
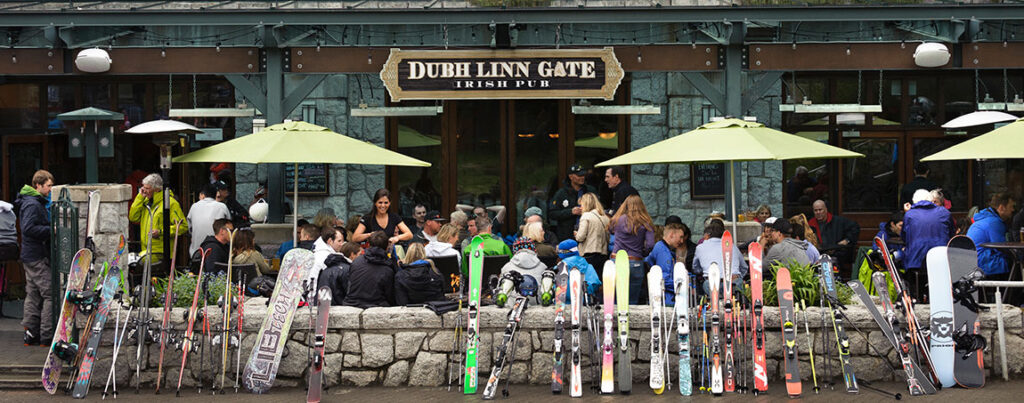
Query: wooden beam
point(833, 56)
point(668, 57)
point(990, 55)
point(183, 61)
point(31, 61)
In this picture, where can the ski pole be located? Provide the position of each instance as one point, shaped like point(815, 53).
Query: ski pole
point(824, 341)
point(238, 348)
point(866, 384)
point(810, 345)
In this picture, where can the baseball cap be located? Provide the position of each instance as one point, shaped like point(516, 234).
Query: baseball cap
point(434, 215)
point(576, 169)
point(533, 211)
point(780, 225)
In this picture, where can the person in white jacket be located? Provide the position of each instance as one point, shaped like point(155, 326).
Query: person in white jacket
point(525, 261)
point(447, 237)
point(329, 242)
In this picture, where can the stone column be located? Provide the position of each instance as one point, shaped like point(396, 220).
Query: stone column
point(115, 200)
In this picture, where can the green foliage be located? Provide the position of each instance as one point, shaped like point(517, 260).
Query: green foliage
point(806, 285)
point(185, 287)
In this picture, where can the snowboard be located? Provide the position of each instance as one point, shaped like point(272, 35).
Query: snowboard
point(608, 345)
point(261, 368)
point(625, 372)
point(186, 341)
point(681, 280)
point(476, 270)
point(515, 315)
point(561, 281)
point(757, 299)
point(316, 367)
point(784, 285)
point(842, 341)
point(76, 280)
point(656, 292)
point(729, 366)
point(99, 320)
point(714, 277)
point(576, 356)
point(941, 316)
point(968, 364)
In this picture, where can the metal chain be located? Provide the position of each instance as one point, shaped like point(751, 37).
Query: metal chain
point(558, 36)
point(880, 87)
point(446, 37)
point(859, 80)
point(195, 91)
point(170, 78)
point(976, 86)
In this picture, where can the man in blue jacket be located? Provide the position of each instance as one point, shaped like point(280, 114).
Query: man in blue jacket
point(664, 255)
point(990, 226)
point(35, 258)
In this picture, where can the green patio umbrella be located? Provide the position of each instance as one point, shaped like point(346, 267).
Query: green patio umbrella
point(1006, 142)
point(299, 143)
point(730, 140)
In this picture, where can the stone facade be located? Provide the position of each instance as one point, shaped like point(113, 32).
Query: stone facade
point(412, 346)
point(683, 107)
point(112, 221)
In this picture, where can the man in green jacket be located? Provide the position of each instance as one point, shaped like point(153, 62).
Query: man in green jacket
point(152, 194)
point(492, 246)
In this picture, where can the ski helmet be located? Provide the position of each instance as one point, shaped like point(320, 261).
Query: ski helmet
point(528, 287)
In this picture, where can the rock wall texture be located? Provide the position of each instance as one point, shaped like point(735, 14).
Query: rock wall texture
point(412, 346)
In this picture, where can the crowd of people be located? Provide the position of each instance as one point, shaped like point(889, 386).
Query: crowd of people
point(362, 266)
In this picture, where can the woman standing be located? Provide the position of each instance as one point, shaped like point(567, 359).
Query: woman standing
point(381, 220)
point(634, 233)
point(246, 253)
point(593, 231)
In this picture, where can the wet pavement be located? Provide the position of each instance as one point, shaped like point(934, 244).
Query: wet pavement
point(994, 391)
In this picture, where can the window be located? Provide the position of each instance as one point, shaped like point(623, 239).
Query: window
point(19, 106)
point(870, 183)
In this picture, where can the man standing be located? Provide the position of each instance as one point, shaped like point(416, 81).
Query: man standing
point(989, 226)
point(202, 215)
point(785, 249)
point(565, 207)
point(620, 189)
point(836, 234)
point(431, 225)
point(920, 181)
point(492, 245)
point(664, 255)
point(35, 258)
point(239, 214)
point(217, 244)
point(151, 194)
point(419, 217)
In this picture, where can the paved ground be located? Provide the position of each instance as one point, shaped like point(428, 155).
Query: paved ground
point(14, 352)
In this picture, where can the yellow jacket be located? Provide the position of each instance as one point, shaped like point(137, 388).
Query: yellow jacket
point(138, 213)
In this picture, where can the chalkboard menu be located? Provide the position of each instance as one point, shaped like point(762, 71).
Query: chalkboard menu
point(313, 179)
point(707, 181)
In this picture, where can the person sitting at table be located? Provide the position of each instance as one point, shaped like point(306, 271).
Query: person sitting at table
point(784, 249)
point(664, 256)
point(798, 234)
point(710, 251)
point(990, 226)
point(244, 251)
point(889, 231)
point(371, 277)
point(418, 280)
point(335, 276)
point(837, 235)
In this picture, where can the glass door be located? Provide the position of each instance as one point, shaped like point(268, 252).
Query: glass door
point(535, 137)
point(480, 157)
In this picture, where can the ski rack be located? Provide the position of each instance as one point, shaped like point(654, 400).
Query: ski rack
point(1001, 328)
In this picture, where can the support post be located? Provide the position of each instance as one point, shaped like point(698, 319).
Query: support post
point(275, 115)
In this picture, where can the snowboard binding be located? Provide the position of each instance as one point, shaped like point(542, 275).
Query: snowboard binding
point(65, 351)
point(509, 281)
point(85, 300)
point(964, 289)
point(968, 343)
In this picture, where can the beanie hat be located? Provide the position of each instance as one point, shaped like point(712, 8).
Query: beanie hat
point(523, 243)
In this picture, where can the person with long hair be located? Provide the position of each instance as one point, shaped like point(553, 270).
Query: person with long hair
point(380, 219)
point(418, 281)
point(414, 253)
point(535, 232)
point(592, 234)
point(634, 233)
point(245, 252)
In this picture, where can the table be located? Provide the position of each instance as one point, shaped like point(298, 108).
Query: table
point(1011, 248)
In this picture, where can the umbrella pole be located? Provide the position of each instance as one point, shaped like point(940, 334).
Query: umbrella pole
point(295, 207)
point(732, 194)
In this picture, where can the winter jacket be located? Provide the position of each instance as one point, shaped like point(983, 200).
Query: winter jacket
point(8, 223)
point(335, 277)
point(590, 276)
point(321, 250)
point(619, 195)
point(371, 280)
point(812, 252)
point(834, 229)
point(710, 251)
point(788, 250)
point(664, 257)
point(560, 210)
point(989, 227)
point(593, 233)
point(884, 234)
point(253, 257)
point(201, 216)
point(925, 226)
point(35, 225)
point(138, 213)
point(527, 263)
point(417, 283)
point(492, 246)
point(636, 245)
point(218, 254)
point(440, 249)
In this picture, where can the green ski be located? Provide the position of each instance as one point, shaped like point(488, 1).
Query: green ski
point(476, 270)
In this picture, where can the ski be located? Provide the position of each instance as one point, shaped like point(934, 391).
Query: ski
point(99, 320)
point(91, 221)
point(842, 341)
point(608, 345)
point(576, 302)
point(681, 280)
point(165, 333)
point(241, 312)
point(561, 286)
point(261, 369)
point(714, 276)
point(625, 372)
point(62, 350)
point(784, 285)
point(757, 295)
point(226, 313)
point(941, 314)
point(186, 342)
point(515, 315)
point(655, 293)
point(316, 367)
point(729, 371)
point(917, 382)
point(476, 268)
point(968, 364)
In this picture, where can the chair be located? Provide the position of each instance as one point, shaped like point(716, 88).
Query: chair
point(449, 268)
point(493, 265)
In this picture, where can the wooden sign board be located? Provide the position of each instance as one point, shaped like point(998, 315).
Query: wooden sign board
point(502, 74)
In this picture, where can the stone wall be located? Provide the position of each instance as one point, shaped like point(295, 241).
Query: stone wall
point(112, 220)
point(757, 182)
point(411, 346)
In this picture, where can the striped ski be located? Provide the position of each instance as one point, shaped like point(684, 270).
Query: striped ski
point(681, 278)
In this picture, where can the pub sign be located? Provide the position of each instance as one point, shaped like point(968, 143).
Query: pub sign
point(501, 74)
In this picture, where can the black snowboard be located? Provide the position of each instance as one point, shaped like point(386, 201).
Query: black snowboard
point(968, 368)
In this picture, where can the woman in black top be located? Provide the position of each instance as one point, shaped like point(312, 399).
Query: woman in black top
point(381, 220)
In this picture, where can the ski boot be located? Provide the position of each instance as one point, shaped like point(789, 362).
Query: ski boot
point(547, 288)
point(509, 281)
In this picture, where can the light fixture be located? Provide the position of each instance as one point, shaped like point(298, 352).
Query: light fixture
point(607, 135)
point(218, 47)
point(553, 135)
point(847, 50)
point(163, 52)
point(369, 57)
point(525, 135)
point(931, 54)
point(639, 57)
point(379, 111)
point(93, 60)
point(616, 110)
point(14, 59)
